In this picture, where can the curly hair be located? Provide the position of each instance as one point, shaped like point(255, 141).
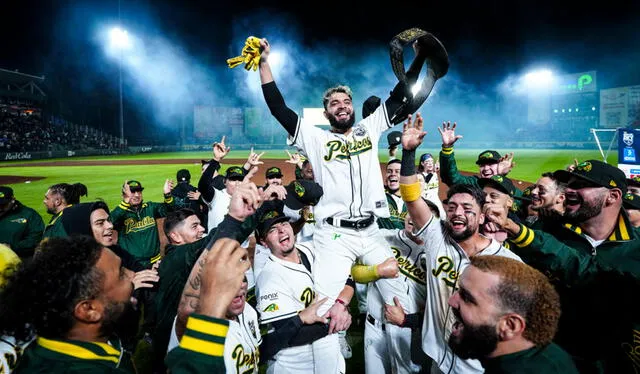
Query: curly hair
point(337, 89)
point(41, 295)
point(70, 192)
point(527, 292)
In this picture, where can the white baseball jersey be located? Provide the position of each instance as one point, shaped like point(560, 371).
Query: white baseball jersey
point(445, 261)
point(283, 289)
point(241, 354)
point(10, 353)
point(388, 349)
point(218, 207)
point(430, 191)
point(346, 166)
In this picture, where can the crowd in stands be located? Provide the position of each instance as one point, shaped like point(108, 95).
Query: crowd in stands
point(30, 133)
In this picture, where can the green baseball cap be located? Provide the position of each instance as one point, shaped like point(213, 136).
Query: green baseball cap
point(235, 173)
point(502, 184)
point(631, 201)
point(135, 186)
point(488, 157)
point(597, 173)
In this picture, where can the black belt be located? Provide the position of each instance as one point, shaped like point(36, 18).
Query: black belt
point(373, 321)
point(356, 225)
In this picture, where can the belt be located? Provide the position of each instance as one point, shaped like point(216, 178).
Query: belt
point(356, 225)
point(375, 322)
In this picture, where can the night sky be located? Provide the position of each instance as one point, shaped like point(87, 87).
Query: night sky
point(486, 40)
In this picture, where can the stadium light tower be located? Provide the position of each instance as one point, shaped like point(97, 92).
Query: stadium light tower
point(119, 39)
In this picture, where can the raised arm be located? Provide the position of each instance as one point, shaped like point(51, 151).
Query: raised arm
point(410, 188)
point(285, 116)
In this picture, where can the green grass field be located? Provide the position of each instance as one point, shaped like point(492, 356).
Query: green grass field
point(103, 182)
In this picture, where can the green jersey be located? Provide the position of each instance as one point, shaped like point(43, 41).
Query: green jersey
point(21, 228)
point(550, 359)
point(137, 228)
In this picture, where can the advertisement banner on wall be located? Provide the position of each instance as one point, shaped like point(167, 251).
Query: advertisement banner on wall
point(629, 151)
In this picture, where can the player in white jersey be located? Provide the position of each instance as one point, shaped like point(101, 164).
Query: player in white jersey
point(296, 340)
point(428, 176)
point(241, 354)
point(386, 345)
point(346, 165)
point(450, 244)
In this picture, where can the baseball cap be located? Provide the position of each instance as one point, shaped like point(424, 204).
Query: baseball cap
point(183, 175)
point(631, 201)
point(394, 138)
point(425, 156)
point(635, 181)
point(301, 193)
point(235, 173)
point(526, 193)
point(500, 183)
point(596, 172)
point(274, 172)
point(370, 105)
point(267, 218)
point(6, 194)
point(135, 186)
point(488, 157)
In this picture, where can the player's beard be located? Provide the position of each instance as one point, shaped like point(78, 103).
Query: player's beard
point(341, 126)
point(588, 209)
point(459, 235)
point(119, 317)
point(474, 341)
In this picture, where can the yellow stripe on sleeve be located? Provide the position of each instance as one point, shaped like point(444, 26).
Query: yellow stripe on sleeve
point(202, 346)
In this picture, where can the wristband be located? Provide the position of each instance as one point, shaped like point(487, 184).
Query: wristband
point(340, 301)
point(404, 321)
point(410, 192)
point(408, 163)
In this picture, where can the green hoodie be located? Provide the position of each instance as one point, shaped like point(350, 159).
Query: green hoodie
point(21, 228)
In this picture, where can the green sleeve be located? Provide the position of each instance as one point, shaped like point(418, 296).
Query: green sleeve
point(449, 170)
point(549, 255)
point(201, 348)
point(33, 235)
point(161, 210)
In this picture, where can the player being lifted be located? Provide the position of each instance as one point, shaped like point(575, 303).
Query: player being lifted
point(346, 165)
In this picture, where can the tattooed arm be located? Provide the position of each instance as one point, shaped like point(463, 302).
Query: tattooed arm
point(190, 295)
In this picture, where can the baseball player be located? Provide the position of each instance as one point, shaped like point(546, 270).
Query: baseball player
point(58, 197)
point(345, 163)
point(135, 221)
point(294, 341)
point(449, 245)
point(428, 176)
point(388, 328)
point(241, 354)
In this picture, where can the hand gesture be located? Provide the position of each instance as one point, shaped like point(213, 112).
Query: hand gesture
point(222, 276)
point(126, 192)
point(193, 195)
point(220, 150)
point(245, 201)
point(295, 159)
point(265, 49)
point(273, 192)
point(572, 167)
point(168, 186)
point(339, 316)
point(309, 315)
point(496, 214)
point(145, 279)
point(254, 159)
point(388, 269)
point(505, 164)
point(448, 134)
point(412, 133)
point(394, 313)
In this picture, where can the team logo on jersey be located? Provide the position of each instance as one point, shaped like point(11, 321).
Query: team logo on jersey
point(632, 350)
point(132, 225)
point(359, 131)
point(270, 296)
point(245, 362)
point(344, 150)
point(252, 327)
point(307, 296)
point(446, 271)
point(408, 268)
point(271, 308)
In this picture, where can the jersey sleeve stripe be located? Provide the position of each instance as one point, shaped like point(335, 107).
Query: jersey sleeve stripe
point(421, 230)
point(291, 140)
point(202, 346)
point(209, 326)
point(277, 318)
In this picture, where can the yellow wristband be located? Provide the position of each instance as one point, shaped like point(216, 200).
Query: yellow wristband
point(410, 192)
